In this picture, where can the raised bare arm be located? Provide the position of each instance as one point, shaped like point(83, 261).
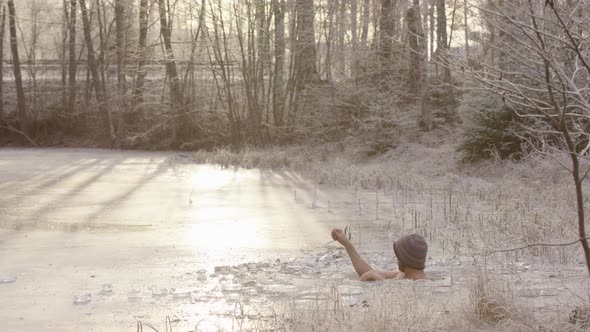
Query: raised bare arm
point(360, 265)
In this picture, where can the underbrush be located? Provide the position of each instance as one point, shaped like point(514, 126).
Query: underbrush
point(489, 130)
point(324, 113)
point(488, 305)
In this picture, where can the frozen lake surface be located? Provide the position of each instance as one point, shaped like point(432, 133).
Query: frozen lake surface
point(73, 221)
point(98, 240)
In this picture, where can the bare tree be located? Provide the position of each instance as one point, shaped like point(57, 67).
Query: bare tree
point(176, 98)
point(2, 25)
point(195, 37)
point(431, 26)
point(365, 22)
point(250, 37)
point(465, 22)
point(353, 39)
point(64, 50)
point(418, 69)
point(305, 53)
point(141, 52)
point(340, 60)
point(329, 32)
point(72, 64)
point(31, 48)
point(279, 8)
point(543, 78)
point(20, 92)
point(223, 73)
point(386, 31)
point(304, 69)
point(443, 56)
point(120, 28)
point(101, 98)
point(102, 60)
point(414, 77)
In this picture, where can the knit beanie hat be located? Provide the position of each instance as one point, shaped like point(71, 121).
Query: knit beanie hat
point(411, 250)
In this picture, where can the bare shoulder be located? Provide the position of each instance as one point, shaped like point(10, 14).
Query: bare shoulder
point(391, 274)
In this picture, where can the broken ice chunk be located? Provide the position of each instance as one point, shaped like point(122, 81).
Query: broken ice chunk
point(222, 269)
point(106, 289)
point(82, 299)
point(7, 279)
point(159, 292)
point(134, 296)
point(181, 293)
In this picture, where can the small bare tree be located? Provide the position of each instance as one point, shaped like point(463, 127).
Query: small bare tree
point(2, 25)
point(386, 31)
point(442, 52)
point(99, 90)
point(141, 52)
point(543, 76)
point(176, 98)
point(72, 56)
point(20, 92)
point(278, 98)
point(120, 27)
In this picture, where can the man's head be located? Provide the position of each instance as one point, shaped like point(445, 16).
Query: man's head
point(410, 251)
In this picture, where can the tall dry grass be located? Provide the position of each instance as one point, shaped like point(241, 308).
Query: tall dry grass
point(474, 212)
point(513, 205)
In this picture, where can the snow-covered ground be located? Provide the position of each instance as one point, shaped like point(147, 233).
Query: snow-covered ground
point(98, 240)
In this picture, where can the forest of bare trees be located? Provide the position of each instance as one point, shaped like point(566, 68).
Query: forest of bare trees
point(194, 74)
point(199, 73)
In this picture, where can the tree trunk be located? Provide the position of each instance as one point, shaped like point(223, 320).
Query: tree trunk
point(304, 68)
point(72, 53)
point(340, 55)
point(141, 50)
point(422, 41)
point(578, 181)
point(366, 18)
point(92, 67)
point(176, 99)
point(502, 35)
point(120, 45)
point(64, 50)
point(424, 20)
point(443, 55)
point(441, 28)
point(432, 25)
point(225, 72)
point(261, 36)
point(2, 25)
point(414, 70)
point(329, 34)
point(418, 71)
point(353, 39)
point(386, 31)
point(20, 92)
point(466, 31)
point(186, 84)
point(32, 57)
point(453, 14)
point(305, 52)
point(102, 53)
point(278, 94)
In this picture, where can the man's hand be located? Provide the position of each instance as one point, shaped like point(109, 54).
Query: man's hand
point(371, 275)
point(338, 235)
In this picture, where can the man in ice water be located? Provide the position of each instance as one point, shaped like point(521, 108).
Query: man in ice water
point(410, 251)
